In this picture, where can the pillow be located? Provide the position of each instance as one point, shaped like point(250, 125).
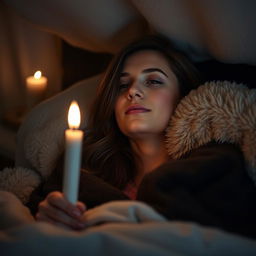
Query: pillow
point(47, 122)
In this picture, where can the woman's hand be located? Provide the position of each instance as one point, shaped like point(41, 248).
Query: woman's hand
point(57, 210)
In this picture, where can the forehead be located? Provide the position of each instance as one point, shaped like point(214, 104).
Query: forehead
point(146, 59)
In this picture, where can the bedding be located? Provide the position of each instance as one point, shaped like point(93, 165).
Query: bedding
point(209, 186)
point(116, 228)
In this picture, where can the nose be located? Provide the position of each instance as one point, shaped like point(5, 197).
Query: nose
point(135, 92)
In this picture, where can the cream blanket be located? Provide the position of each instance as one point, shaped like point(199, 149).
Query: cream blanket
point(116, 228)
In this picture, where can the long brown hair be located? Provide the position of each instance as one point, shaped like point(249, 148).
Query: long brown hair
point(107, 152)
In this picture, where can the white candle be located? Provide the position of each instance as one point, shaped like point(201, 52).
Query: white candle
point(73, 138)
point(36, 87)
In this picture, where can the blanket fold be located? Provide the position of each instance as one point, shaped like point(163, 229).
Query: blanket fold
point(152, 235)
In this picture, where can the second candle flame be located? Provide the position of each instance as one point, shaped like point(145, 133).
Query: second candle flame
point(74, 117)
point(37, 74)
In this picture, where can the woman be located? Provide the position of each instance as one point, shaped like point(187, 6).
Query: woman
point(125, 153)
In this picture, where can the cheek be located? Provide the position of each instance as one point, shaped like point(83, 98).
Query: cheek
point(166, 106)
point(167, 102)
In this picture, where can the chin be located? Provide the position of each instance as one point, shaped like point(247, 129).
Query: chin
point(135, 130)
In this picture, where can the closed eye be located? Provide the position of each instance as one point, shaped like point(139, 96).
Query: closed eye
point(153, 82)
point(123, 86)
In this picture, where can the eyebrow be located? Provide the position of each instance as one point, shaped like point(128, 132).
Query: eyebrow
point(148, 70)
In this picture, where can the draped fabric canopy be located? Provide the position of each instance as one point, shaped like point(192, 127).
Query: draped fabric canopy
point(220, 29)
point(30, 30)
point(23, 50)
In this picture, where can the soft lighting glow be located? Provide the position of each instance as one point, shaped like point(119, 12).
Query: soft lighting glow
point(74, 117)
point(37, 74)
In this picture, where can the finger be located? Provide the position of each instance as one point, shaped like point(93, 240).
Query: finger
point(57, 200)
point(59, 216)
point(44, 218)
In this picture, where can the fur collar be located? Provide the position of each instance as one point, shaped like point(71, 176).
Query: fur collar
point(220, 111)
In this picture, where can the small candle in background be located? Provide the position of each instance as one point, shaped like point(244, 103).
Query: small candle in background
point(36, 88)
point(73, 138)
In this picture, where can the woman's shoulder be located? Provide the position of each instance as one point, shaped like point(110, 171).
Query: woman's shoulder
point(208, 162)
point(209, 185)
point(219, 149)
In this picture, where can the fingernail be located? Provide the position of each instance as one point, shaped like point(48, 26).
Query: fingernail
point(76, 213)
point(84, 208)
point(80, 225)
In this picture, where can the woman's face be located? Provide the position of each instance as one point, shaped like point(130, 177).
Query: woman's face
point(149, 92)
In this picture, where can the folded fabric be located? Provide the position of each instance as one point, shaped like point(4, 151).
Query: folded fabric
point(122, 211)
point(12, 212)
point(151, 236)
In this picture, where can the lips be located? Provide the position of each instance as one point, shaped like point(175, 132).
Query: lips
point(136, 109)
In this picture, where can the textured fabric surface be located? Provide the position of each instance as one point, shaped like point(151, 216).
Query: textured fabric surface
point(20, 181)
point(209, 186)
point(204, 29)
point(127, 228)
point(12, 212)
point(220, 111)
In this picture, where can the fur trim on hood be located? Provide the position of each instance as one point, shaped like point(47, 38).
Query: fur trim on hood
point(220, 111)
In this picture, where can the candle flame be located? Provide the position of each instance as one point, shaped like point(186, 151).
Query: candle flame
point(37, 74)
point(74, 117)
